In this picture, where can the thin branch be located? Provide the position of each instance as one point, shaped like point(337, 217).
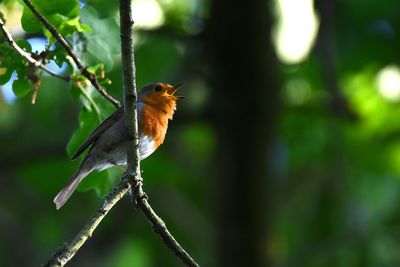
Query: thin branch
point(90, 76)
point(133, 178)
point(160, 228)
point(130, 102)
point(68, 250)
point(27, 55)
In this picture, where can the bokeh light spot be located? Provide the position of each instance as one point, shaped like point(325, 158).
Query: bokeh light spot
point(297, 91)
point(148, 14)
point(296, 29)
point(388, 83)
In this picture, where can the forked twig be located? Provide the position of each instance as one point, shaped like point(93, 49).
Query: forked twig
point(90, 76)
point(27, 55)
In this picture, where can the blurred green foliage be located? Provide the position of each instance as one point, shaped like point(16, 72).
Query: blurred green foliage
point(98, 47)
point(64, 15)
point(337, 179)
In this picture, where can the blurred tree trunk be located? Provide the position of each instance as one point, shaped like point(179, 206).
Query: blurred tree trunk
point(325, 49)
point(244, 109)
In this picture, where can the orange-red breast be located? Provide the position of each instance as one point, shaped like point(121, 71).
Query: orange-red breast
point(156, 105)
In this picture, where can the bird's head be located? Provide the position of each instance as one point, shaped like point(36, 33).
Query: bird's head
point(160, 96)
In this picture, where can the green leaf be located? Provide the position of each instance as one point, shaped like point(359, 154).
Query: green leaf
point(106, 109)
point(92, 101)
point(67, 26)
point(5, 75)
point(95, 68)
point(11, 61)
point(87, 123)
point(24, 44)
point(75, 91)
point(106, 8)
point(103, 42)
point(58, 55)
point(21, 87)
point(102, 105)
point(62, 14)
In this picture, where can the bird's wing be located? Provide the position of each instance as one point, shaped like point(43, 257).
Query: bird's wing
point(104, 126)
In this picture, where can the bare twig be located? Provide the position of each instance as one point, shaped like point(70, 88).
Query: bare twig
point(27, 55)
point(159, 226)
point(90, 76)
point(130, 99)
point(68, 250)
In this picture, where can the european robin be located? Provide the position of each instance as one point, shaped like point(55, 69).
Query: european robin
point(156, 105)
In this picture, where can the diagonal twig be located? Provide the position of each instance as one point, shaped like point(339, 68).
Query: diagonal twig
point(68, 250)
point(159, 226)
point(90, 76)
point(130, 102)
point(27, 55)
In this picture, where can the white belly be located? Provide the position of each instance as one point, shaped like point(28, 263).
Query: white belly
point(146, 148)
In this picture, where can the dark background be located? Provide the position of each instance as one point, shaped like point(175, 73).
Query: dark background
point(285, 152)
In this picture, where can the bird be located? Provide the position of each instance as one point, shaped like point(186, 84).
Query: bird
point(107, 143)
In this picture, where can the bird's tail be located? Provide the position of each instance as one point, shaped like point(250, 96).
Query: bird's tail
point(67, 191)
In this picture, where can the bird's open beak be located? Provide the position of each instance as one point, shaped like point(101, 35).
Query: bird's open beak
point(176, 87)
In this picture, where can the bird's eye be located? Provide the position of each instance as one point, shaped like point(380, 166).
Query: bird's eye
point(158, 88)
